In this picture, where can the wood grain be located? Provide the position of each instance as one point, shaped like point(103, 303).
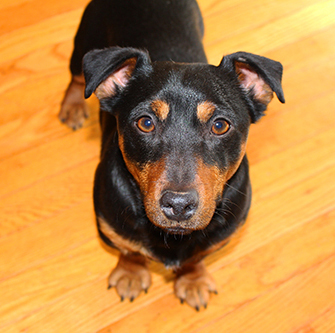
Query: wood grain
point(278, 272)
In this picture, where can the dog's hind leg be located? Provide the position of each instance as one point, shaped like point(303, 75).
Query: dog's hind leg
point(90, 35)
point(74, 109)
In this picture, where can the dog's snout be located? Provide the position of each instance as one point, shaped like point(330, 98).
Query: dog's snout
point(179, 206)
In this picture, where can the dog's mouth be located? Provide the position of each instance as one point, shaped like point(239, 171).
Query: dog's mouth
point(178, 231)
point(199, 221)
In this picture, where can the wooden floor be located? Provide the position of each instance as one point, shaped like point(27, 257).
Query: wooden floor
point(277, 275)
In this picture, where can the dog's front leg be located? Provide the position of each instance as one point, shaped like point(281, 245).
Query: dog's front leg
point(130, 276)
point(194, 285)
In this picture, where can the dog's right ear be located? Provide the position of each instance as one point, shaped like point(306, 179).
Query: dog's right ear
point(108, 71)
point(259, 77)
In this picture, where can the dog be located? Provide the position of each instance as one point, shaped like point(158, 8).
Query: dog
point(172, 184)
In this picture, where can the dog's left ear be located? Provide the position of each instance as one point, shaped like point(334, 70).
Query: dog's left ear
point(107, 72)
point(259, 77)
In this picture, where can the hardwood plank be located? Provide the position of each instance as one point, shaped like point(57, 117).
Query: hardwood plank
point(293, 308)
point(45, 283)
point(54, 30)
point(25, 13)
point(314, 156)
point(324, 323)
point(225, 20)
point(47, 199)
point(278, 32)
point(34, 245)
point(49, 158)
point(280, 131)
point(38, 127)
point(11, 3)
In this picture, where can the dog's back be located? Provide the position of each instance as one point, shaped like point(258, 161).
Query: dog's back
point(158, 26)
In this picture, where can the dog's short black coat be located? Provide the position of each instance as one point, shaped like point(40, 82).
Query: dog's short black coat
point(173, 181)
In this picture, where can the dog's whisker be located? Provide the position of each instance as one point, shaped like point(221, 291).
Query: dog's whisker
point(232, 187)
point(165, 235)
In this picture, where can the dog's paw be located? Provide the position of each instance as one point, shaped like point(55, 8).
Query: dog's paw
point(130, 277)
point(73, 114)
point(74, 109)
point(194, 285)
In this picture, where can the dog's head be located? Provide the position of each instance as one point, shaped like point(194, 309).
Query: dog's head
point(182, 128)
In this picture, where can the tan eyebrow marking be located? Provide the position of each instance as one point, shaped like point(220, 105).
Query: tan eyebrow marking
point(161, 109)
point(205, 111)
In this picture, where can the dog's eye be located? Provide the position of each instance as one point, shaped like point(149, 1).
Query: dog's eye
point(145, 124)
point(220, 127)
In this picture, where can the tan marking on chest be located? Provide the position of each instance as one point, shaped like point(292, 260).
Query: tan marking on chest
point(126, 246)
point(205, 111)
point(161, 109)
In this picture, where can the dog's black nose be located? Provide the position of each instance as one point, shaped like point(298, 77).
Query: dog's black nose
point(179, 206)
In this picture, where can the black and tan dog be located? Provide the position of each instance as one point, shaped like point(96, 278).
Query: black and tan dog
point(173, 181)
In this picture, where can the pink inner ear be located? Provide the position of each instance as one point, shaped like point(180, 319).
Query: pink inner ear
point(118, 79)
point(251, 81)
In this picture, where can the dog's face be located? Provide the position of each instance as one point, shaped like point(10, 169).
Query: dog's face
point(182, 128)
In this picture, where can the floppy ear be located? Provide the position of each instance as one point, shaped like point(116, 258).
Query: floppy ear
point(108, 71)
point(259, 77)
